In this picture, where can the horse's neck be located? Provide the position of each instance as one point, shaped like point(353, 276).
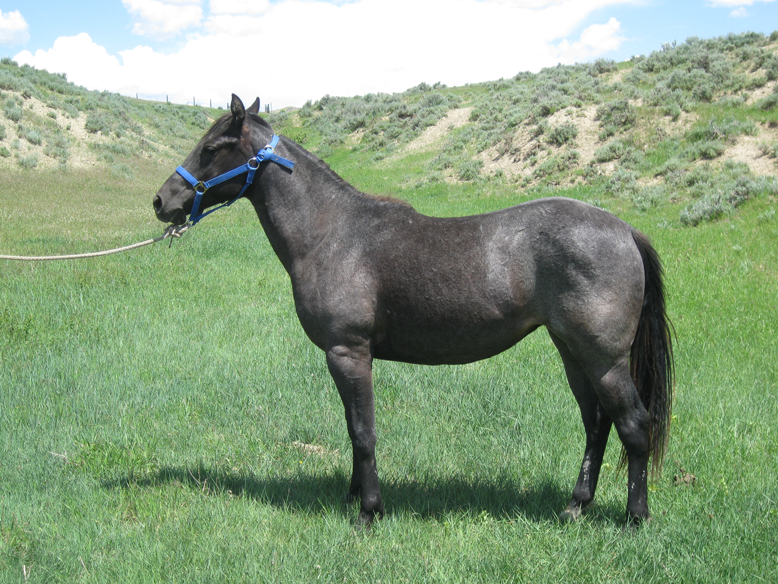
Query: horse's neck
point(298, 209)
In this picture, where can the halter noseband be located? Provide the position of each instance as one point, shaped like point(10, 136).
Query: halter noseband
point(267, 153)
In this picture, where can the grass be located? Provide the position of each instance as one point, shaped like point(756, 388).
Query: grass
point(165, 419)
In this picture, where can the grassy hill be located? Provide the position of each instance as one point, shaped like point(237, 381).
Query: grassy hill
point(48, 122)
point(695, 122)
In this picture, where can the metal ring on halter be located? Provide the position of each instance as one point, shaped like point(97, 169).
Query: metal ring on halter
point(255, 161)
point(200, 185)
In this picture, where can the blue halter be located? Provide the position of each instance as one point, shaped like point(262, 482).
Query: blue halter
point(267, 153)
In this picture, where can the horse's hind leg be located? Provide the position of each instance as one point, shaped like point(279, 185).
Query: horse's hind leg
point(597, 425)
point(620, 399)
point(608, 381)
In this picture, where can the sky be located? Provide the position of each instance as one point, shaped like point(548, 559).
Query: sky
point(290, 51)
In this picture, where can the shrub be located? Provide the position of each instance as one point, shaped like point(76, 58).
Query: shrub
point(470, 170)
point(560, 163)
point(722, 129)
point(4, 152)
point(562, 134)
point(708, 208)
point(29, 162)
point(58, 147)
point(769, 150)
point(623, 183)
point(123, 170)
point(768, 103)
point(703, 92)
point(618, 113)
point(97, 122)
point(636, 77)
point(731, 101)
point(31, 135)
point(728, 195)
point(611, 151)
point(601, 66)
point(770, 66)
point(650, 196)
point(13, 111)
point(707, 150)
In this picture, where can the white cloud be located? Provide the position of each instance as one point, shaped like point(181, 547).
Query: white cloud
point(162, 20)
point(231, 25)
point(13, 29)
point(246, 7)
point(739, 13)
point(734, 3)
point(303, 49)
point(84, 62)
point(596, 40)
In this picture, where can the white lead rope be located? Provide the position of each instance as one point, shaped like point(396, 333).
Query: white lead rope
point(172, 231)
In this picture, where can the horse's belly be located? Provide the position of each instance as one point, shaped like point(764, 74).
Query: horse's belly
point(440, 341)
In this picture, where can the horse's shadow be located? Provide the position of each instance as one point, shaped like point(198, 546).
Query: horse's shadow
point(429, 498)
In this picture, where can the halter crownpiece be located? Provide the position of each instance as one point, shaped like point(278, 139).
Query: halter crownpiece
point(250, 168)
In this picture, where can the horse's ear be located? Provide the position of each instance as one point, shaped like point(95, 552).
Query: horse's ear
point(254, 108)
point(237, 109)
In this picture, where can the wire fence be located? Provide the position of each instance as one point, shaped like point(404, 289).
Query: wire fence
point(196, 101)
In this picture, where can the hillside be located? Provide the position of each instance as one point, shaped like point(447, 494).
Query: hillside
point(695, 122)
point(48, 122)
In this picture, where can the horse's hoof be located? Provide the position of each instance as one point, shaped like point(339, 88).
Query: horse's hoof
point(570, 514)
point(573, 512)
point(361, 526)
point(635, 521)
point(365, 520)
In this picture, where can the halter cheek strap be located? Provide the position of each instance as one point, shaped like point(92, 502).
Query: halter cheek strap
point(250, 168)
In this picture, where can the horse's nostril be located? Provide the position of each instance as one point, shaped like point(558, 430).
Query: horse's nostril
point(157, 204)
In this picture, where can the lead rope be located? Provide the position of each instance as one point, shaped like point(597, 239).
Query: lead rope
point(171, 232)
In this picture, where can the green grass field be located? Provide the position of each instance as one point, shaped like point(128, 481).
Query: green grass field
point(164, 419)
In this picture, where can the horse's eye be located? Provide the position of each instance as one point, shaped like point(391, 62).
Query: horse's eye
point(209, 150)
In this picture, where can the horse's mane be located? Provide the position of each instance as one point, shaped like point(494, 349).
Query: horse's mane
point(339, 181)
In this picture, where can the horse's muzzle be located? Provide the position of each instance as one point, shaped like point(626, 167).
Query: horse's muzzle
point(165, 214)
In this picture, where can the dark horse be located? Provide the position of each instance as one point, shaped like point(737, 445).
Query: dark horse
point(374, 279)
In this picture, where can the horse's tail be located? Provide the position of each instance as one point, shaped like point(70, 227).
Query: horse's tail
point(651, 356)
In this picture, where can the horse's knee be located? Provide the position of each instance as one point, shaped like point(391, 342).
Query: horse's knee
point(364, 442)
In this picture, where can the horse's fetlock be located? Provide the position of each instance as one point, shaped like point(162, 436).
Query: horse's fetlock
point(373, 504)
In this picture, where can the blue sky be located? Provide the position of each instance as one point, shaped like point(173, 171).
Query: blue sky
point(289, 51)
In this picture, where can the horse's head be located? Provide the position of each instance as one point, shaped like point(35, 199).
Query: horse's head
point(226, 146)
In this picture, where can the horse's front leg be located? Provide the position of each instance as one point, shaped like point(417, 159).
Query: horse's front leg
point(351, 368)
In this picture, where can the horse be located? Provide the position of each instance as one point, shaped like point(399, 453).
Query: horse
point(374, 279)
